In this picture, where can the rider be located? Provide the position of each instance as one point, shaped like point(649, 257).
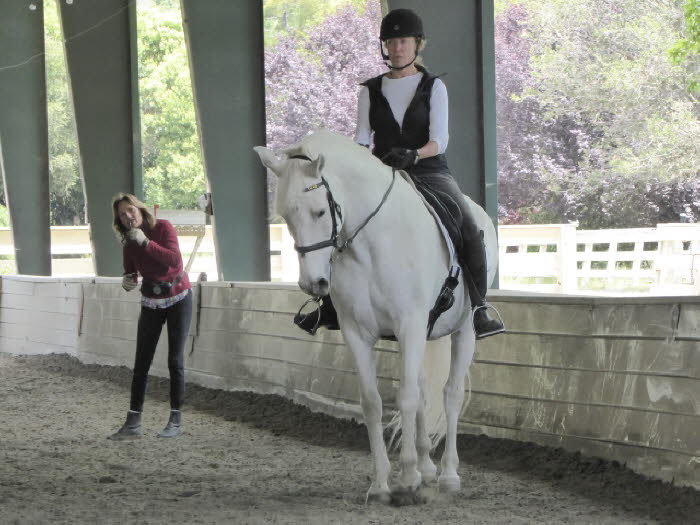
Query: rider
point(405, 110)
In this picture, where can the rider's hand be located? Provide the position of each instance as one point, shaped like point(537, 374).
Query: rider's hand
point(137, 236)
point(129, 281)
point(401, 158)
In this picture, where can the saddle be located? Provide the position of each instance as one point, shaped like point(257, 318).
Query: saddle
point(448, 212)
point(448, 216)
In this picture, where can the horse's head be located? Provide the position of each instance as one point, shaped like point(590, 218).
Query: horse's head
point(303, 201)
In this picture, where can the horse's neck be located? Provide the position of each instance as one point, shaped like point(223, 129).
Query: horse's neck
point(362, 193)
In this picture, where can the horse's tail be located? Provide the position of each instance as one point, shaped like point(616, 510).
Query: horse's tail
point(436, 367)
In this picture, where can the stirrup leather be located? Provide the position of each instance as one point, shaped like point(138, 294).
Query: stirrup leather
point(445, 299)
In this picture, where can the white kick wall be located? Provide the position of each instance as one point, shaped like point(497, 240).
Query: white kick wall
point(612, 377)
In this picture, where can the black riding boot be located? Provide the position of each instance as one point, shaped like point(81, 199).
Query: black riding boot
point(325, 316)
point(484, 324)
point(475, 277)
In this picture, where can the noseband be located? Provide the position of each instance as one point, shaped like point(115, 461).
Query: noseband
point(337, 215)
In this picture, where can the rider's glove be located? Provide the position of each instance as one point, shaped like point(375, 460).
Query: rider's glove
point(137, 236)
point(401, 158)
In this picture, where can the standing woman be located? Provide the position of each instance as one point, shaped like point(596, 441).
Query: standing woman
point(150, 247)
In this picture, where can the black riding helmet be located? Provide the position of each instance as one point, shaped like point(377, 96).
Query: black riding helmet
point(400, 23)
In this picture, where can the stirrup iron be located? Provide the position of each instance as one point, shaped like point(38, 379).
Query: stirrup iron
point(487, 306)
point(298, 318)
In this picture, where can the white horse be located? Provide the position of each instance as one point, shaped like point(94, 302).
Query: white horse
point(384, 282)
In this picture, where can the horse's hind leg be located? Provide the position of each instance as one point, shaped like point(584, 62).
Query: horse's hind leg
point(372, 411)
point(463, 343)
point(426, 467)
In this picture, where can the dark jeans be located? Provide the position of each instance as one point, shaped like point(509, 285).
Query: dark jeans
point(473, 252)
point(151, 322)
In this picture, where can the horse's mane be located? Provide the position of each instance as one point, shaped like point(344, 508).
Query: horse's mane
point(340, 154)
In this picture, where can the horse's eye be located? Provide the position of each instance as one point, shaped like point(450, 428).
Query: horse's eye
point(321, 213)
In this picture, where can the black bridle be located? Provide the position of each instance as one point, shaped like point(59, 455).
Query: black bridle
point(336, 216)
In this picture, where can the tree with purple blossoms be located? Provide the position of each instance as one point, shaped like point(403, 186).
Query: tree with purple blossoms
point(312, 80)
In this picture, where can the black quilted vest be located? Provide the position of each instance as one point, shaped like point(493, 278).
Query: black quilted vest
point(416, 123)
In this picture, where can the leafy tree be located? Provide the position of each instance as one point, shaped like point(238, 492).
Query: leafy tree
point(313, 81)
point(295, 17)
point(609, 124)
point(4, 217)
point(688, 48)
point(532, 149)
point(65, 186)
point(173, 173)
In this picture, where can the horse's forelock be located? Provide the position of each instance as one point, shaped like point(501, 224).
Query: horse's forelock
point(297, 177)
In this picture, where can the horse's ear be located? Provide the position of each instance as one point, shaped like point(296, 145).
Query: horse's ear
point(317, 165)
point(268, 158)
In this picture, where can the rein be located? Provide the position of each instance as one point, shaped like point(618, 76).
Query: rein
point(337, 215)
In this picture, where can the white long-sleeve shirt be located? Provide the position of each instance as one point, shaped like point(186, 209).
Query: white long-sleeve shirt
point(399, 92)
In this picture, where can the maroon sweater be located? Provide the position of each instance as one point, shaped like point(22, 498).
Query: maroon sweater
point(160, 260)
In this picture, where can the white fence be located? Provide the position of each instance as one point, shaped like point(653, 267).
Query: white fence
point(553, 258)
point(559, 258)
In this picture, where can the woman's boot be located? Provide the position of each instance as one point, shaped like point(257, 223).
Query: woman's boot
point(325, 316)
point(484, 324)
point(475, 277)
point(173, 428)
point(131, 429)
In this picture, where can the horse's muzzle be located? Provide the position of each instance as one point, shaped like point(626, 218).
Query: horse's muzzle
point(317, 288)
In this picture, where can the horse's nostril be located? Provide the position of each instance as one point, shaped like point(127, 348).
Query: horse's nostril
point(322, 282)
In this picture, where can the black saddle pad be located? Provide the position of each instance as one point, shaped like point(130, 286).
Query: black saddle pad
point(449, 213)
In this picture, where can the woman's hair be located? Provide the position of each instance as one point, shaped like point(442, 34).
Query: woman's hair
point(420, 46)
point(148, 217)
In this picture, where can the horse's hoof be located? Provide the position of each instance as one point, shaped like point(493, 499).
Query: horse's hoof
point(378, 497)
point(403, 497)
point(449, 483)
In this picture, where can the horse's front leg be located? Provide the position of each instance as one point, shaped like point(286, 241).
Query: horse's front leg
point(411, 336)
point(463, 345)
point(372, 411)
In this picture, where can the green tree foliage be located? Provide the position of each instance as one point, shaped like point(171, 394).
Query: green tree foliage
point(65, 186)
point(600, 75)
point(4, 217)
point(172, 165)
point(284, 18)
point(687, 50)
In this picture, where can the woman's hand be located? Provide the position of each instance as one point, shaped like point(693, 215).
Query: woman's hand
point(137, 236)
point(129, 281)
point(400, 158)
